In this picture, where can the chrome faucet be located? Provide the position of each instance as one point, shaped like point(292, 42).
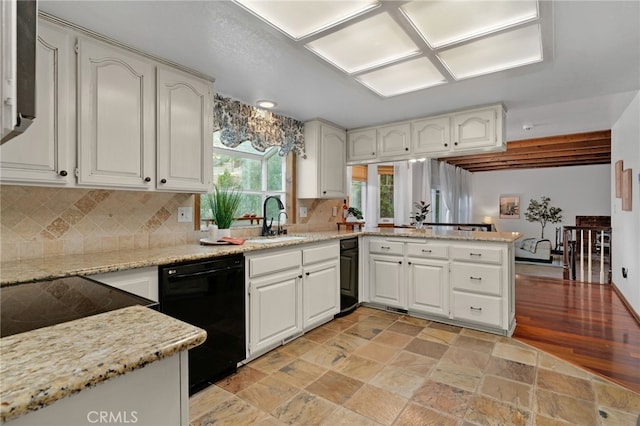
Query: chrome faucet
point(266, 229)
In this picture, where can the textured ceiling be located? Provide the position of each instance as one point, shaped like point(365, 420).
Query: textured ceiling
point(591, 77)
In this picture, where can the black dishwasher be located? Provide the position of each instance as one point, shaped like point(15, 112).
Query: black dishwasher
point(348, 275)
point(209, 295)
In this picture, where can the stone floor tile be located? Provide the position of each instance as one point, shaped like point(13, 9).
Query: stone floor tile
point(442, 397)
point(364, 330)
point(299, 347)
point(377, 404)
point(415, 321)
point(346, 342)
point(417, 415)
point(398, 381)
point(268, 393)
point(474, 344)
point(427, 348)
point(611, 395)
point(390, 338)
point(299, 373)
point(345, 417)
point(243, 378)
point(359, 368)
point(406, 328)
point(487, 411)
point(339, 324)
point(335, 387)
point(321, 334)
point(201, 402)
point(550, 362)
point(445, 327)
point(231, 412)
point(438, 336)
point(466, 357)
point(511, 370)
point(479, 335)
point(540, 420)
point(376, 352)
point(305, 409)
point(568, 385)
point(566, 408)
point(417, 364)
point(272, 361)
point(456, 375)
point(612, 417)
point(325, 356)
point(516, 353)
point(515, 393)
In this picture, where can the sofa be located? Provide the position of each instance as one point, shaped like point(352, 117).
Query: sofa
point(533, 250)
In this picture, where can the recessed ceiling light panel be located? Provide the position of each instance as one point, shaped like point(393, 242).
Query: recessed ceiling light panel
point(442, 23)
point(495, 53)
point(373, 42)
point(299, 19)
point(409, 76)
point(266, 104)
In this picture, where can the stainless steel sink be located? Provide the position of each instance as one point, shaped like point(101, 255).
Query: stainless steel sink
point(273, 240)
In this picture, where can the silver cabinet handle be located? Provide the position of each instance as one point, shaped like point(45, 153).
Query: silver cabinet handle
point(385, 248)
point(475, 309)
point(475, 254)
point(476, 278)
point(427, 251)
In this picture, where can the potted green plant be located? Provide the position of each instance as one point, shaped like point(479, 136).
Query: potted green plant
point(355, 212)
point(422, 210)
point(224, 203)
point(541, 211)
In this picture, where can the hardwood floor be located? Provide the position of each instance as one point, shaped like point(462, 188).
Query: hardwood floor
point(585, 324)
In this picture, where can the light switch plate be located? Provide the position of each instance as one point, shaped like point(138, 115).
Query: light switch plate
point(303, 212)
point(185, 214)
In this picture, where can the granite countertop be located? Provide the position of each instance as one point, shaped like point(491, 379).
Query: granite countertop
point(37, 371)
point(62, 266)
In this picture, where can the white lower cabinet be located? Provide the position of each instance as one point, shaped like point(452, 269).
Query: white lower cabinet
point(290, 291)
point(142, 281)
point(468, 283)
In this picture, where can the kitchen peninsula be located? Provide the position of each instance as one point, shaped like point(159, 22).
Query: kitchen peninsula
point(457, 277)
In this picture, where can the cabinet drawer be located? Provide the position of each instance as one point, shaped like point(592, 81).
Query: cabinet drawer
point(477, 278)
point(432, 251)
point(386, 247)
point(320, 253)
point(274, 263)
point(477, 254)
point(477, 308)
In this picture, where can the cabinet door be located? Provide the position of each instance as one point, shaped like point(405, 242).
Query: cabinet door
point(116, 116)
point(361, 145)
point(41, 154)
point(185, 132)
point(386, 281)
point(332, 162)
point(431, 135)
point(320, 294)
point(275, 309)
point(394, 140)
point(428, 286)
point(474, 129)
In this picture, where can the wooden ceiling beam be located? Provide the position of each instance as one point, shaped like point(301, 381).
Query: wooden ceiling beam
point(459, 161)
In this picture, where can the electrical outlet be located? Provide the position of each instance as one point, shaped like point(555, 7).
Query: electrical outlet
point(334, 211)
point(185, 214)
point(303, 212)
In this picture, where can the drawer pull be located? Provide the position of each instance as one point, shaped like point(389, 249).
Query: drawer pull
point(427, 251)
point(475, 254)
point(399, 262)
point(475, 309)
point(385, 248)
point(476, 278)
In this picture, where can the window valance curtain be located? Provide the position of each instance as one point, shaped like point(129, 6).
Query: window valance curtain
point(239, 123)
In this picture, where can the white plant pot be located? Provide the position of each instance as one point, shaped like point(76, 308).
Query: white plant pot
point(224, 233)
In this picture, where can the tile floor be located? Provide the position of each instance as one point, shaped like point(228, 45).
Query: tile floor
point(375, 367)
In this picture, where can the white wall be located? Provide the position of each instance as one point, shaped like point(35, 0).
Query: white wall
point(625, 146)
point(577, 190)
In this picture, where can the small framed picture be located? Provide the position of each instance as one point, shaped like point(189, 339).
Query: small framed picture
point(509, 207)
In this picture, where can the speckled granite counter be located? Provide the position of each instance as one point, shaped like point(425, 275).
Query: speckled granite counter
point(63, 359)
point(61, 266)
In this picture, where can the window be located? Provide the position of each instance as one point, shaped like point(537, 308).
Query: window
point(358, 188)
point(385, 199)
point(257, 174)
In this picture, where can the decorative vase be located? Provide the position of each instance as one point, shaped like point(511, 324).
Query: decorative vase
point(419, 225)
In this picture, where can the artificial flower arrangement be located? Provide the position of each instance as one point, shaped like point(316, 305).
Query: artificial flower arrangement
point(422, 210)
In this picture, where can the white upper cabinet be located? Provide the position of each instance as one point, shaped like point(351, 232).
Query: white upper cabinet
point(323, 174)
point(431, 135)
point(185, 129)
point(361, 145)
point(116, 117)
point(480, 128)
point(44, 153)
point(394, 140)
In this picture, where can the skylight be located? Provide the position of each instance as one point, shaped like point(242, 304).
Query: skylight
point(394, 47)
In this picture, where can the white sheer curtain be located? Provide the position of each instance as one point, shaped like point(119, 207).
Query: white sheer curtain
point(421, 188)
point(402, 184)
point(371, 209)
point(455, 190)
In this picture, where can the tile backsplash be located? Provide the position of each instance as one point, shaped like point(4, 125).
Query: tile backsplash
point(39, 222)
